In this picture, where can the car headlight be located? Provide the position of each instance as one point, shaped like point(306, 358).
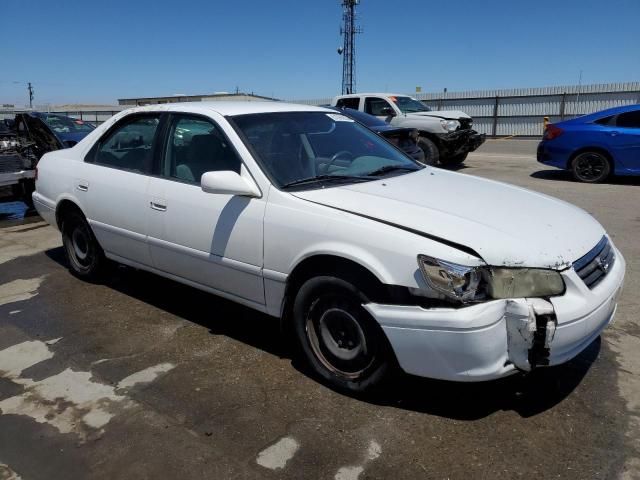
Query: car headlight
point(450, 125)
point(471, 284)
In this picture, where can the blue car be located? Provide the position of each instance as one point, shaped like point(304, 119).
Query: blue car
point(595, 146)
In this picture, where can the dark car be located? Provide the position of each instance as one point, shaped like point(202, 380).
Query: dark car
point(402, 137)
point(26, 138)
point(51, 131)
point(595, 146)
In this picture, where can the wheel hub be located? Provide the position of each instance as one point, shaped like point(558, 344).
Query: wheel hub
point(341, 334)
point(80, 244)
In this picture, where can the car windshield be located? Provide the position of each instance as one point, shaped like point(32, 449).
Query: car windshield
point(62, 124)
point(313, 148)
point(410, 105)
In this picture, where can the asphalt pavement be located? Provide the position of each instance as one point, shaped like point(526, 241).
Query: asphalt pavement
point(140, 377)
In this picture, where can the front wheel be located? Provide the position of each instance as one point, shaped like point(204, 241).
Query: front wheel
point(86, 258)
point(337, 337)
point(590, 167)
point(455, 160)
point(430, 149)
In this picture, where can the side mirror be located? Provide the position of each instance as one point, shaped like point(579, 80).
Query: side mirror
point(228, 183)
point(387, 112)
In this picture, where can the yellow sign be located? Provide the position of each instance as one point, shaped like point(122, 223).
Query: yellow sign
point(418, 89)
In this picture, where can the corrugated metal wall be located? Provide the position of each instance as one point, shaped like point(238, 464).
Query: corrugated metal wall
point(521, 111)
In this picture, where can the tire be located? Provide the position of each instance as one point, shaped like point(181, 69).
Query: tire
point(430, 149)
point(455, 160)
point(85, 256)
point(590, 167)
point(344, 346)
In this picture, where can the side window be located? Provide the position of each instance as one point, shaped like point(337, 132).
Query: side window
point(352, 103)
point(629, 120)
point(196, 146)
point(374, 106)
point(605, 120)
point(129, 145)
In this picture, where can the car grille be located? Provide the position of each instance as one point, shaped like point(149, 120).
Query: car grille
point(465, 123)
point(594, 266)
point(10, 163)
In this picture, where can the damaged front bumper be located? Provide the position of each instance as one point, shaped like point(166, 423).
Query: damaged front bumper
point(498, 338)
point(460, 141)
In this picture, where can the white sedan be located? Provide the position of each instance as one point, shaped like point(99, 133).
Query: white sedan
point(371, 260)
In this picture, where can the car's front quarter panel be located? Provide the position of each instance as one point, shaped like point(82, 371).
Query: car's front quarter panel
point(297, 229)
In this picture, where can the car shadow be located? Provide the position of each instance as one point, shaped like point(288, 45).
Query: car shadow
point(565, 176)
point(527, 395)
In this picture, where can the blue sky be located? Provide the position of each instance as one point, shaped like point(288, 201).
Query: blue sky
point(95, 51)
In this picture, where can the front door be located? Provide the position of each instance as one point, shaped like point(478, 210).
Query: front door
point(625, 140)
point(379, 107)
point(214, 240)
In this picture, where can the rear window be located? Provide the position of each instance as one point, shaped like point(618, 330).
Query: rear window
point(353, 103)
point(605, 120)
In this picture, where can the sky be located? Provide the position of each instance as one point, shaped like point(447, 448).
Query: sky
point(96, 51)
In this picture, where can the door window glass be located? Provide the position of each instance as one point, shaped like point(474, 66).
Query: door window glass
point(374, 106)
point(348, 103)
point(196, 146)
point(629, 120)
point(129, 146)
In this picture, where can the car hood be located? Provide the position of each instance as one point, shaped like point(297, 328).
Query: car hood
point(447, 114)
point(505, 225)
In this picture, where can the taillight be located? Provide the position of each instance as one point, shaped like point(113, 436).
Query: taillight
point(35, 179)
point(552, 132)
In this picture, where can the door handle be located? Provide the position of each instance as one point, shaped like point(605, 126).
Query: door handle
point(613, 134)
point(158, 207)
point(83, 187)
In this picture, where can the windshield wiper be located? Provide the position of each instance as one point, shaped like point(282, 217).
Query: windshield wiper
point(391, 168)
point(322, 178)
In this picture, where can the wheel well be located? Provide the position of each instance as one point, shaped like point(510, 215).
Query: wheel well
point(434, 138)
point(601, 150)
point(334, 266)
point(63, 209)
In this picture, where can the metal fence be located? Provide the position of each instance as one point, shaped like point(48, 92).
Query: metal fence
point(520, 112)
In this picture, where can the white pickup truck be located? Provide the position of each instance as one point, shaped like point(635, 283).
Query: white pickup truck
point(446, 136)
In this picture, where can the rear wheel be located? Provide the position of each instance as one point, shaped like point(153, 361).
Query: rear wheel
point(86, 258)
point(590, 167)
point(337, 337)
point(430, 149)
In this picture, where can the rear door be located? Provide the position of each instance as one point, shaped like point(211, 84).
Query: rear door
point(214, 240)
point(113, 184)
point(624, 139)
point(349, 102)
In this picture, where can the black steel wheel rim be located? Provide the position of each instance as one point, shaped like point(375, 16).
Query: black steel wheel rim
point(80, 246)
point(338, 338)
point(590, 166)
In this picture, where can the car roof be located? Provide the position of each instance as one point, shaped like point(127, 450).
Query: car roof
point(603, 113)
point(237, 107)
point(373, 94)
